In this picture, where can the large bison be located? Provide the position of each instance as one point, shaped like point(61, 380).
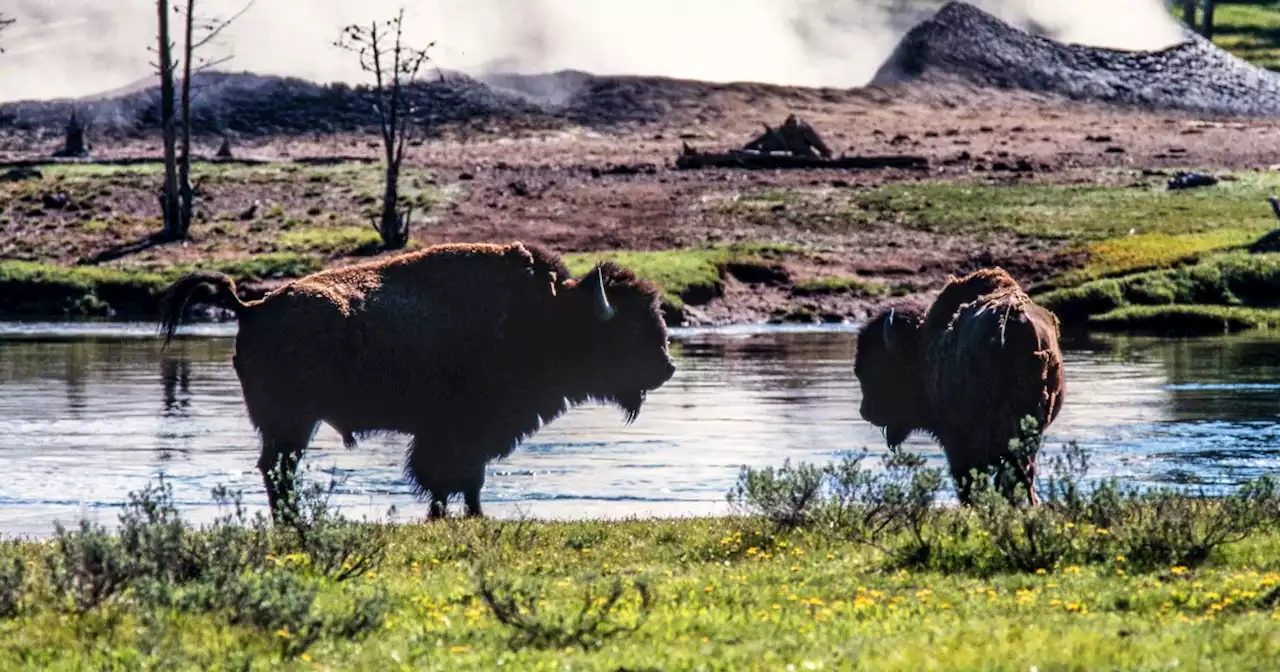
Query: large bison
point(983, 358)
point(468, 348)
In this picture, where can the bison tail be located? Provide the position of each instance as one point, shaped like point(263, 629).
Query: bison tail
point(176, 297)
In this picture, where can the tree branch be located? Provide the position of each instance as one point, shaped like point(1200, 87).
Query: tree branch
point(5, 23)
point(213, 28)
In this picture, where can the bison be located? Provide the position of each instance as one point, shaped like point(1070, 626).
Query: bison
point(469, 348)
point(983, 358)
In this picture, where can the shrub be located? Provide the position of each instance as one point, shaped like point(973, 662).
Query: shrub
point(785, 496)
point(1028, 539)
point(13, 574)
point(336, 548)
point(1165, 528)
point(516, 606)
point(87, 566)
point(870, 506)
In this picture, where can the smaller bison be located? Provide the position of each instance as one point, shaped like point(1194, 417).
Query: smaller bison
point(983, 358)
point(468, 348)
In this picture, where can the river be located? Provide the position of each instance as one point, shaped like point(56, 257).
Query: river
point(92, 411)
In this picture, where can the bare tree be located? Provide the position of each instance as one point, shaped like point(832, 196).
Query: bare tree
point(174, 227)
point(200, 32)
point(394, 66)
point(177, 196)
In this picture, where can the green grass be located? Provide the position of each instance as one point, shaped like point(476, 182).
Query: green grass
point(1130, 254)
point(1118, 229)
point(28, 288)
point(1250, 30)
point(1191, 319)
point(333, 241)
point(680, 272)
point(1082, 213)
point(1227, 286)
point(834, 284)
point(726, 594)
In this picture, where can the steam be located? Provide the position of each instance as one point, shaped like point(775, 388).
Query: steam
point(64, 48)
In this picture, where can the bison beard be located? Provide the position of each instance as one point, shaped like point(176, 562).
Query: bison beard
point(983, 358)
point(468, 348)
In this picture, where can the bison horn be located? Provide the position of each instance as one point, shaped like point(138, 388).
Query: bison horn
point(888, 331)
point(604, 311)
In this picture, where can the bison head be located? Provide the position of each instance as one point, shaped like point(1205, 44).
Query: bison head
point(887, 367)
point(620, 338)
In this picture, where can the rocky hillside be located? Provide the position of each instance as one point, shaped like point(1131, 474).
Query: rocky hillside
point(963, 42)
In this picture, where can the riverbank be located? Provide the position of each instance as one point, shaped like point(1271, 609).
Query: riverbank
point(1060, 194)
point(856, 577)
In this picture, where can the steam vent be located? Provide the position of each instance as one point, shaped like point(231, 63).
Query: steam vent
point(962, 42)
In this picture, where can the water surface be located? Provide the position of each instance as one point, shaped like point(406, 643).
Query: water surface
point(89, 412)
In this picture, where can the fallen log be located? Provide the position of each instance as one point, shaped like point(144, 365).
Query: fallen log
point(692, 160)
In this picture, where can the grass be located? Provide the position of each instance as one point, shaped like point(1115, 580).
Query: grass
point(1168, 578)
point(1116, 229)
point(1079, 213)
point(1192, 319)
point(28, 288)
point(834, 284)
point(329, 241)
point(1236, 289)
point(685, 275)
point(1250, 30)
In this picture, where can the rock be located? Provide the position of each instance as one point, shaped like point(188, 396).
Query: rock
point(1181, 180)
point(962, 42)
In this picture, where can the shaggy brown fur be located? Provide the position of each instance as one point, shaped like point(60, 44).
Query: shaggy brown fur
point(983, 358)
point(469, 348)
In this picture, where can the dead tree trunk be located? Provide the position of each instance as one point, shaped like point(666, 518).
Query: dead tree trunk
point(393, 226)
point(394, 66)
point(185, 195)
point(169, 201)
point(1206, 20)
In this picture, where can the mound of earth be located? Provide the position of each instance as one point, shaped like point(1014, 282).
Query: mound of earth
point(963, 42)
point(261, 105)
point(252, 105)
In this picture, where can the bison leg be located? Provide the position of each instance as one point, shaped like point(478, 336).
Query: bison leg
point(439, 505)
point(471, 493)
point(444, 466)
point(281, 452)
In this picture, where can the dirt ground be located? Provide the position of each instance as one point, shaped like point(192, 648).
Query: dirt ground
point(580, 190)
